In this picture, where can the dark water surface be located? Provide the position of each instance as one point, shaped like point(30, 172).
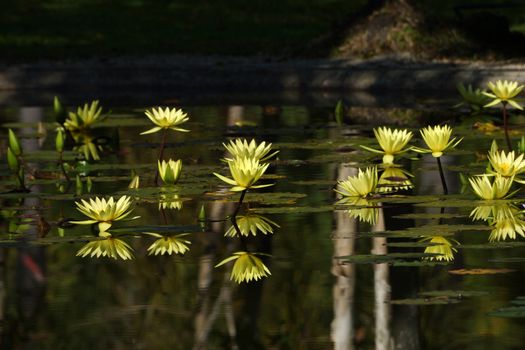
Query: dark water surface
point(326, 290)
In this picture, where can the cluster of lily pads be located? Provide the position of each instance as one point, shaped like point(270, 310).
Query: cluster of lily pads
point(503, 170)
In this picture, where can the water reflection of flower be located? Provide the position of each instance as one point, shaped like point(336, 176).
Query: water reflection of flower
point(85, 117)
point(109, 246)
point(442, 246)
point(168, 244)
point(505, 219)
point(394, 178)
point(247, 267)
point(170, 201)
point(86, 145)
point(251, 223)
point(361, 209)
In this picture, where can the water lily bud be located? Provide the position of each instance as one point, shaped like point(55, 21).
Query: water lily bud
point(89, 184)
point(170, 171)
point(59, 140)
point(14, 143)
point(20, 178)
point(202, 218)
point(60, 112)
point(78, 186)
point(135, 182)
point(12, 160)
point(339, 112)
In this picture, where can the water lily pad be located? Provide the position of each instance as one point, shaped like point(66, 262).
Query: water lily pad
point(479, 271)
point(292, 210)
point(386, 258)
point(454, 293)
point(438, 300)
point(492, 245)
point(157, 229)
point(515, 311)
point(509, 260)
point(429, 216)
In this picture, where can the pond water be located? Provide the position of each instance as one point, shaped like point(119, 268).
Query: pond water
point(342, 277)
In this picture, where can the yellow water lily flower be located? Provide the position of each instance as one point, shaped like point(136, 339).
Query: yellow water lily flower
point(245, 172)
point(85, 117)
point(506, 163)
point(360, 185)
point(247, 267)
point(475, 98)
point(170, 171)
point(503, 92)
point(391, 142)
point(166, 119)
point(441, 246)
point(251, 223)
point(394, 178)
point(438, 140)
point(104, 212)
point(108, 247)
point(242, 149)
point(486, 189)
point(168, 244)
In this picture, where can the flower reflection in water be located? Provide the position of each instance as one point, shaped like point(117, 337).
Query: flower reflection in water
point(109, 246)
point(394, 178)
point(361, 209)
point(505, 219)
point(442, 246)
point(170, 200)
point(247, 267)
point(251, 224)
point(168, 244)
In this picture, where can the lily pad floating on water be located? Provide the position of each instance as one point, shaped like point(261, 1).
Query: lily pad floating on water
point(515, 311)
point(157, 229)
point(438, 300)
point(429, 216)
point(427, 231)
point(492, 245)
point(509, 260)
point(453, 293)
point(292, 210)
point(384, 258)
point(479, 271)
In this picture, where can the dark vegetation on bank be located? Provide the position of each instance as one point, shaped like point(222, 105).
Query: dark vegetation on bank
point(70, 29)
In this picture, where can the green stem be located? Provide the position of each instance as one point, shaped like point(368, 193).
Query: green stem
point(442, 175)
point(161, 153)
point(61, 161)
point(506, 127)
point(234, 221)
